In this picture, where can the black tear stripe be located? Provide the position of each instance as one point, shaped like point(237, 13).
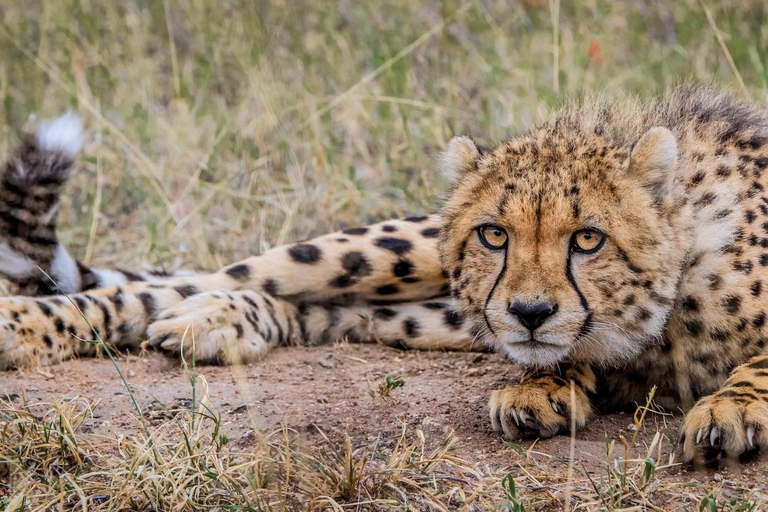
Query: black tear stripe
point(493, 289)
point(586, 327)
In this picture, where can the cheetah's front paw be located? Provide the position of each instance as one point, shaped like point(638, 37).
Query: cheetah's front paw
point(538, 408)
point(215, 327)
point(730, 422)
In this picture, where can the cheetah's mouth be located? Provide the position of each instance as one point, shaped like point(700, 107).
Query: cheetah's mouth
point(534, 343)
point(532, 350)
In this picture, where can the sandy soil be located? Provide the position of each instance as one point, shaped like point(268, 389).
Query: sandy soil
point(335, 389)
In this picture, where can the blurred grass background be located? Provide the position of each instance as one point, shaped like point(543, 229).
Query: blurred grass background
point(220, 129)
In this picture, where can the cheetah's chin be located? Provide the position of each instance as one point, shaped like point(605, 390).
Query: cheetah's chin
point(533, 353)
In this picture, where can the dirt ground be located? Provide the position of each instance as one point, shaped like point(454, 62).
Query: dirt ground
point(335, 389)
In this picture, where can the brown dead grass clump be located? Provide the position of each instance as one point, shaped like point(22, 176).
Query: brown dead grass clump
point(54, 460)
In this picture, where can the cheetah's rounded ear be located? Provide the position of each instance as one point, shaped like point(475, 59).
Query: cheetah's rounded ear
point(459, 157)
point(653, 158)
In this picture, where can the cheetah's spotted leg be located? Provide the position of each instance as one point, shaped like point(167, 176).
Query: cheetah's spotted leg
point(242, 326)
point(733, 420)
point(225, 327)
point(540, 405)
point(394, 261)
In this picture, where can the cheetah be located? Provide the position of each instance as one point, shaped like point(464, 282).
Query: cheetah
point(618, 245)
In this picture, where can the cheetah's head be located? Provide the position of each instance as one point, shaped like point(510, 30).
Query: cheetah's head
point(557, 243)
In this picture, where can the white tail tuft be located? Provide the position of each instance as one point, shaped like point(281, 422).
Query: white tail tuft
point(64, 134)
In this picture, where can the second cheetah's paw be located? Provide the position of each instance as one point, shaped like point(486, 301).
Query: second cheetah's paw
point(539, 408)
point(215, 327)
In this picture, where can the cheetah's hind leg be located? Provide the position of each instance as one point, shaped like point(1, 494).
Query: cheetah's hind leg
point(239, 327)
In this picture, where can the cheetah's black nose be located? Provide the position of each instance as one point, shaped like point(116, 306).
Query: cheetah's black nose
point(532, 316)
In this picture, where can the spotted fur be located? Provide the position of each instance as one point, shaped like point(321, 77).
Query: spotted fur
point(672, 296)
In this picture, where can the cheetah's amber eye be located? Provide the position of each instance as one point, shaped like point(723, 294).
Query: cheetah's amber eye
point(493, 237)
point(587, 241)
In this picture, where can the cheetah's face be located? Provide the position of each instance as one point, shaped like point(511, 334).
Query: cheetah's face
point(557, 248)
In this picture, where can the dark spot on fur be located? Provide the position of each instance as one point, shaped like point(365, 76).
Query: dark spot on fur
point(239, 272)
point(715, 282)
point(430, 232)
point(304, 253)
point(356, 264)
point(271, 287)
point(47, 340)
point(81, 302)
point(690, 303)
point(45, 308)
point(756, 288)
point(759, 320)
point(238, 329)
point(389, 228)
point(705, 200)
point(398, 246)
point(694, 327)
point(343, 281)
point(187, 290)
point(462, 251)
point(411, 327)
point(403, 268)
point(117, 300)
point(732, 304)
point(148, 301)
point(384, 313)
point(434, 305)
point(454, 319)
point(697, 178)
point(417, 219)
point(388, 289)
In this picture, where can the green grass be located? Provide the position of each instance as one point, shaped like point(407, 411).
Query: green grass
point(220, 129)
